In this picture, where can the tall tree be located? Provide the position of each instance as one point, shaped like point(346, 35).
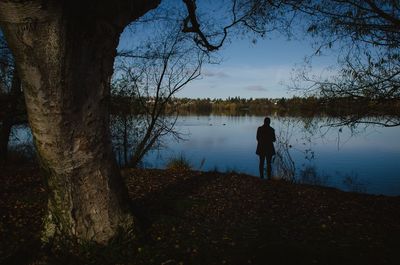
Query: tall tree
point(64, 52)
point(367, 33)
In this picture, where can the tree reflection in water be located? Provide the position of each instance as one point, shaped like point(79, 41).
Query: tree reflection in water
point(313, 129)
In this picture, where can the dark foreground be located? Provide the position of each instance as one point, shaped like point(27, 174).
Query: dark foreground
point(214, 218)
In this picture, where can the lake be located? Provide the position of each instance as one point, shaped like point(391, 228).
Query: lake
point(363, 158)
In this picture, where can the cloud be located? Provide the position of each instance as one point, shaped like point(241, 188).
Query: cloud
point(256, 88)
point(217, 74)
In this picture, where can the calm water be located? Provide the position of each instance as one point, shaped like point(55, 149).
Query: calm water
point(365, 159)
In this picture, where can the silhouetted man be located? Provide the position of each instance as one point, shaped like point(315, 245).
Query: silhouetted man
point(265, 146)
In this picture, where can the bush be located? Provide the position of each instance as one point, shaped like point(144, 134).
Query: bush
point(179, 163)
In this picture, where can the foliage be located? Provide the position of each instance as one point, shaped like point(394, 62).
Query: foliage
point(179, 163)
point(232, 17)
point(367, 36)
point(353, 183)
point(283, 163)
point(146, 79)
point(310, 175)
point(295, 106)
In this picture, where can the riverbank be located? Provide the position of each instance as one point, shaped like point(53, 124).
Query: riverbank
point(217, 218)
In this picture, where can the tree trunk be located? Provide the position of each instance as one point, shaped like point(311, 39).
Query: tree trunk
point(65, 52)
point(5, 130)
point(11, 115)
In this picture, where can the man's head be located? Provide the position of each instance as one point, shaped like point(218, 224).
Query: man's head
point(267, 121)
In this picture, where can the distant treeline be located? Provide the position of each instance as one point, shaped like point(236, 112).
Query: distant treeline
point(265, 106)
point(258, 106)
point(289, 106)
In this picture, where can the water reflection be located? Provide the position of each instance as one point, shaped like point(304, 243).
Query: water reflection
point(359, 158)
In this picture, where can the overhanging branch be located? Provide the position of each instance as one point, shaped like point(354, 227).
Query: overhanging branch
point(192, 25)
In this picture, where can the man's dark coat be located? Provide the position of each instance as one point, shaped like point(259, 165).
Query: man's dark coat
point(265, 139)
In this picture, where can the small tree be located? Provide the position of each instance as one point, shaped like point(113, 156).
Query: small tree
point(149, 76)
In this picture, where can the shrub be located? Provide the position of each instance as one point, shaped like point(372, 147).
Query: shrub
point(179, 163)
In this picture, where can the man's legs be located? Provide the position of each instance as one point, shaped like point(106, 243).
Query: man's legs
point(261, 166)
point(269, 167)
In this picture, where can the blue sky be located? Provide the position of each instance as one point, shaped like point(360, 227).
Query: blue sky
point(249, 70)
point(255, 70)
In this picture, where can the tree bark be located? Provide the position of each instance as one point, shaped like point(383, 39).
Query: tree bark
point(11, 115)
point(5, 130)
point(64, 51)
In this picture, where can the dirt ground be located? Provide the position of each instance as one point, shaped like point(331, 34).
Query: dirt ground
point(195, 217)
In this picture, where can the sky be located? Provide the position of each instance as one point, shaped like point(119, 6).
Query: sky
point(253, 70)
point(260, 70)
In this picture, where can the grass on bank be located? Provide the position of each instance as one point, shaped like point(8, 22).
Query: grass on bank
point(179, 163)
